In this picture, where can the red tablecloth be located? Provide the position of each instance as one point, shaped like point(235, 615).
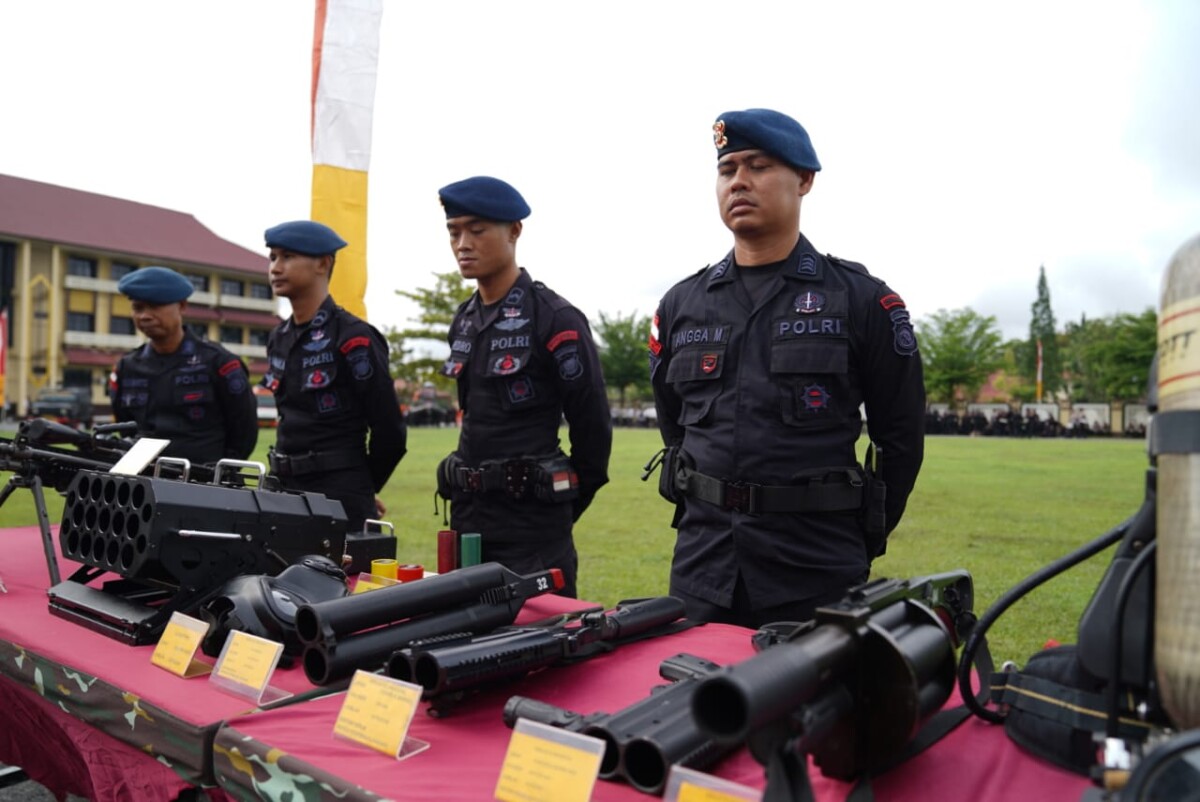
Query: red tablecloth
point(156, 726)
point(976, 762)
point(156, 729)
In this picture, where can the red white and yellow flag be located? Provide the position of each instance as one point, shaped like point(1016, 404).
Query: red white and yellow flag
point(345, 55)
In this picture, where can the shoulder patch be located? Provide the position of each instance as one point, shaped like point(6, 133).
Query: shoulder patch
point(904, 341)
point(229, 367)
point(569, 335)
point(891, 301)
point(354, 342)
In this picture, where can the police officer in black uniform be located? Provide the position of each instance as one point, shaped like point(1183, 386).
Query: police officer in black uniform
point(523, 357)
point(177, 386)
point(759, 365)
point(340, 430)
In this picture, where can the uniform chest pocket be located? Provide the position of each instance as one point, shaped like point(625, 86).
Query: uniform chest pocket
point(193, 394)
point(501, 364)
point(318, 378)
point(813, 386)
point(695, 374)
point(518, 387)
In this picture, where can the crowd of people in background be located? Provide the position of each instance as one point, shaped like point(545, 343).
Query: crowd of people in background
point(1012, 423)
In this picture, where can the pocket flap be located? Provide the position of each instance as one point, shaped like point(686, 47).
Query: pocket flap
point(696, 365)
point(506, 363)
point(823, 357)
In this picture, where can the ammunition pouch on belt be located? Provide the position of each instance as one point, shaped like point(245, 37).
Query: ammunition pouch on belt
point(316, 461)
point(670, 459)
point(550, 479)
point(874, 510)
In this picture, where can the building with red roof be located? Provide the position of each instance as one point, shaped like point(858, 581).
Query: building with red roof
point(62, 252)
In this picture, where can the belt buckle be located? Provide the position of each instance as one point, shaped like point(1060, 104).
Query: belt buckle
point(471, 480)
point(740, 497)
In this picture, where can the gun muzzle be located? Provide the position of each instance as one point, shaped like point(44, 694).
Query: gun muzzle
point(741, 698)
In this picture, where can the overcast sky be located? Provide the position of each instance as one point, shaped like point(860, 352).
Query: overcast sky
point(963, 144)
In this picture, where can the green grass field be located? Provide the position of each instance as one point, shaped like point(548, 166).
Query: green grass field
point(999, 508)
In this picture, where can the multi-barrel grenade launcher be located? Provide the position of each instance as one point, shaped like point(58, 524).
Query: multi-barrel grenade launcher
point(850, 687)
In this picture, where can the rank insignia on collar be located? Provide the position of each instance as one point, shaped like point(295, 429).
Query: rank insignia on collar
point(719, 138)
point(809, 303)
point(808, 265)
point(514, 297)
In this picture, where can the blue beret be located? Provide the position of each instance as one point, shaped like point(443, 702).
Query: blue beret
point(155, 285)
point(306, 237)
point(764, 129)
point(483, 196)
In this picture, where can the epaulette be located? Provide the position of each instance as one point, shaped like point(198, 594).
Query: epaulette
point(692, 277)
point(555, 301)
point(853, 267)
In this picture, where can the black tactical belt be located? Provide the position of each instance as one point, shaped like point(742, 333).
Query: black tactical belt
point(316, 461)
point(512, 477)
point(836, 491)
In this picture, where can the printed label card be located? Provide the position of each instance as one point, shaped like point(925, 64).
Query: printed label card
point(176, 649)
point(377, 713)
point(546, 764)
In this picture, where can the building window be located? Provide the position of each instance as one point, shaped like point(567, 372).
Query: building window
point(199, 282)
point(80, 321)
point(119, 270)
point(231, 287)
point(120, 325)
point(259, 336)
point(77, 377)
point(231, 334)
point(260, 291)
point(78, 266)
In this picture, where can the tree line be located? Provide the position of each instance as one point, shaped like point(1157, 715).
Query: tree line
point(1086, 361)
point(1089, 360)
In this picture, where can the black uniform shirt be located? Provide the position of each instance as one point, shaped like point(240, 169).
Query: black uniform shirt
point(521, 366)
point(757, 392)
point(197, 397)
point(331, 384)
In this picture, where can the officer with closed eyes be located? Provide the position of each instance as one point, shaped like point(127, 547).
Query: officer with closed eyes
point(760, 364)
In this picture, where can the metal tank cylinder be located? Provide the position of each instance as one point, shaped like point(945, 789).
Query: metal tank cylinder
point(1177, 616)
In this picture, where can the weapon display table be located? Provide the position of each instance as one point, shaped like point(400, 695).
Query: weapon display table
point(294, 748)
point(156, 727)
point(86, 714)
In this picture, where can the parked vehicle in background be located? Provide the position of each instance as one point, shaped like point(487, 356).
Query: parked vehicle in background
point(268, 415)
point(68, 405)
